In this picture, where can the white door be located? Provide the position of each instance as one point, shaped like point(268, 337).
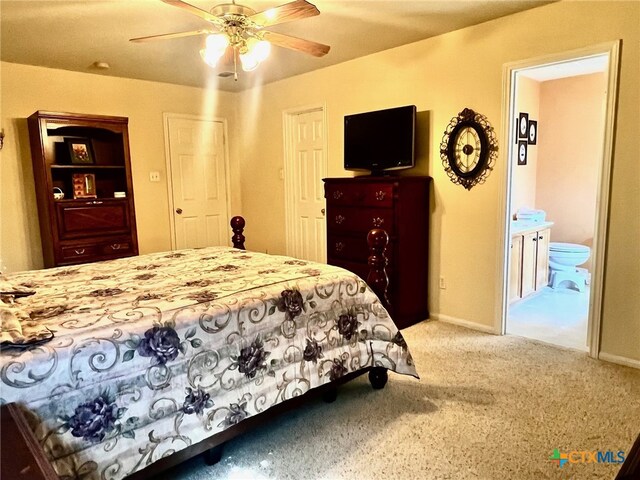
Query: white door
point(198, 182)
point(308, 168)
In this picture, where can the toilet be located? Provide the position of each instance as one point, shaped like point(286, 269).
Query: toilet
point(564, 259)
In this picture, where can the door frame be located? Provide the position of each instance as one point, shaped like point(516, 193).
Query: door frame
point(288, 117)
point(167, 155)
point(612, 50)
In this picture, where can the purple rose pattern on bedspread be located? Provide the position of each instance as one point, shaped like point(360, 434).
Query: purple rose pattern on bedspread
point(153, 354)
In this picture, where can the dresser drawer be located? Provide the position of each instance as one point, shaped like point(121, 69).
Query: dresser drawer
point(116, 247)
point(79, 252)
point(94, 249)
point(348, 248)
point(352, 248)
point(359, 268)
point(90, 218)
point(345, 219)
point(360, 194)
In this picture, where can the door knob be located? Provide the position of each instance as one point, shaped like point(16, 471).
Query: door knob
point(323, 211)
point(179, 211)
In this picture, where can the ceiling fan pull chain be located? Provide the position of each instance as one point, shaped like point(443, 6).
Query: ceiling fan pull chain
point(235, 63)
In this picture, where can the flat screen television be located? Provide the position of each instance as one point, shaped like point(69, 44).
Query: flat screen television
point(381, 140)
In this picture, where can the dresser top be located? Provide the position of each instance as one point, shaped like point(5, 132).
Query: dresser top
point(378, 179)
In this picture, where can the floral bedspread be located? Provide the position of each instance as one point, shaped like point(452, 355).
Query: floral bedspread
point(154, 353)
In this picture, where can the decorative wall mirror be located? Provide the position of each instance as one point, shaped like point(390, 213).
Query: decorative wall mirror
point(468, 149)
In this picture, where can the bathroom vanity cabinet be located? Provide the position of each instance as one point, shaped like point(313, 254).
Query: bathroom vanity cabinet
point(529, 263)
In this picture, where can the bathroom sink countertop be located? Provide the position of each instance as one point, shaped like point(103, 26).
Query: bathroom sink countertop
point(520, 227)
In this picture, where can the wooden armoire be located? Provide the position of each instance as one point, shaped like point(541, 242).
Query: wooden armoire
point(96, 218)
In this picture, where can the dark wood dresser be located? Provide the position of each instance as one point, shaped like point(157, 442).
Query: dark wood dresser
point(399, 205)
point(97, 226)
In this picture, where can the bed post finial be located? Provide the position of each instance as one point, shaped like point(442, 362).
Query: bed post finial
point(377, 279)
point(237, 225)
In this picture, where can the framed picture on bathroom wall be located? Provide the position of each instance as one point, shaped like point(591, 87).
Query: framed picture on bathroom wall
point(522, 152)
point(523, 125)
point(533, 132)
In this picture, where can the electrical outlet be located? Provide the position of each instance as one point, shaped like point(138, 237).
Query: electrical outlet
point(154, 176)
point(443, 284)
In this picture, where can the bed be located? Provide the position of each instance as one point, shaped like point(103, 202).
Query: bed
point(156, 358)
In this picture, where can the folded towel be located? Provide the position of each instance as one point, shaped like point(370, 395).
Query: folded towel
point(531, 215)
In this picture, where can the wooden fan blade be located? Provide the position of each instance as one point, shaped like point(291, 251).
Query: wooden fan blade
point(194, 10)
point(285, 13)
point(167, 36)
point(294, 43)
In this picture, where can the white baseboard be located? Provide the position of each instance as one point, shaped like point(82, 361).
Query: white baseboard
point(626, 361)
point(463, 323)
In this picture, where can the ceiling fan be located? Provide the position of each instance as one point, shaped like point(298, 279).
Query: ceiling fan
point(238, 31)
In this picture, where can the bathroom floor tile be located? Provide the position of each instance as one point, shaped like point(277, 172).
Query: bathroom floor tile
point(554, 316)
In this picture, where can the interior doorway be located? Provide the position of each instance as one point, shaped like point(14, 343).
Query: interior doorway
point(559, 118)
point(197, 181)
point(304, 168)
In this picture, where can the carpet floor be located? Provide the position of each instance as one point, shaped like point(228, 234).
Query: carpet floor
point(486, 407)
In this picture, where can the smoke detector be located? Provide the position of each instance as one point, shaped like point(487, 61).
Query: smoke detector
point(101, 65)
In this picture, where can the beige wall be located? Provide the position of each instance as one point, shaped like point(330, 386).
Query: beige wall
point(441, 76)
point(523, 178)
point(570, 146)
point(26, 89)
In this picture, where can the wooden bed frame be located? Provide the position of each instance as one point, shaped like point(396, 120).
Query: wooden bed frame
point(28, 461)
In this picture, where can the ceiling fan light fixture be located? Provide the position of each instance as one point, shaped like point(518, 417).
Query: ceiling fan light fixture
point(217, 42)
point(249, 61)
point(211, 57)
point(240, 35)
point(256, 52)
point(215, 48)
point(261, 50)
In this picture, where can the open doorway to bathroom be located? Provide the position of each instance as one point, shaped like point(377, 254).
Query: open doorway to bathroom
point(560, 134)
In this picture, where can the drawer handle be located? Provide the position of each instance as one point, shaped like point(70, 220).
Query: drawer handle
point(337, 195)
point(377, 222)
point(80, 251)
point(380, 195)
point(340, 219)
point(116, 246)
point(95, 202)
point(339, 246)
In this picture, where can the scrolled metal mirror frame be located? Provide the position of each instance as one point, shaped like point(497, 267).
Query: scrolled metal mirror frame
point(488, 151)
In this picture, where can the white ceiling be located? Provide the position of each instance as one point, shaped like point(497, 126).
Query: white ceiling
point(572, 68)
point(72, 35)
